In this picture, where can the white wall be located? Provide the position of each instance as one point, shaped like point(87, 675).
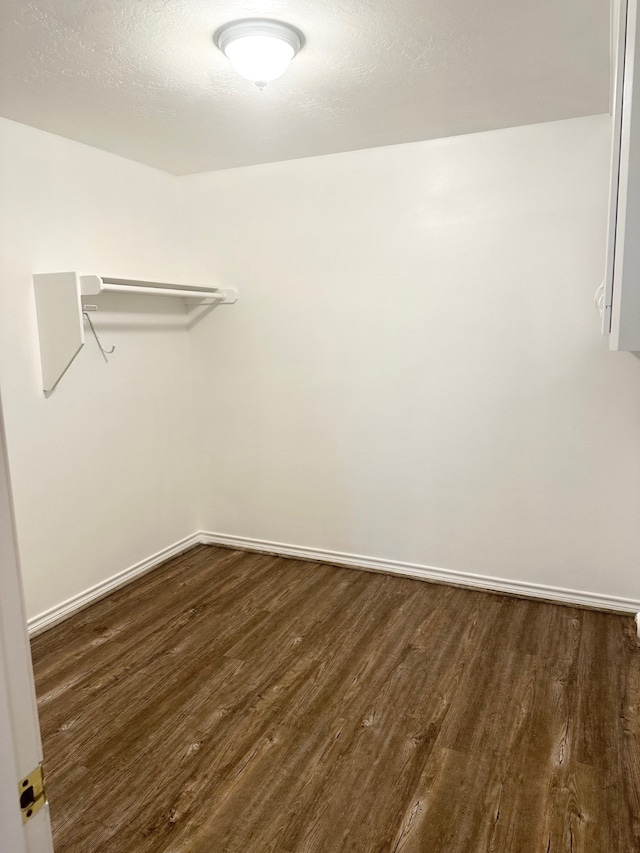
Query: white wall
point(414, 371)
point(101, 470)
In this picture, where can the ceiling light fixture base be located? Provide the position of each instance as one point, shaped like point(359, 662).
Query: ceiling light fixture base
point(259, 49)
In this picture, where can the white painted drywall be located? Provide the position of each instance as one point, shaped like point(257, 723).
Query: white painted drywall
point(101, 470)
point(415, 370)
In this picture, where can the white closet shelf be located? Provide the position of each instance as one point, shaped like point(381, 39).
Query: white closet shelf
point(59, 308)
point(93, 285)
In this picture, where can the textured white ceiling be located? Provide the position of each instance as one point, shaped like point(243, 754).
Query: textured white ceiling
point(142, 78)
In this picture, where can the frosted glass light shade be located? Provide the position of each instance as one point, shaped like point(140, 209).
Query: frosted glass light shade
point(259, 50)
point(259, 58)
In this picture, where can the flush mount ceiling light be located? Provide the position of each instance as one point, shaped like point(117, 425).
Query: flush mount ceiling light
point(259, 50)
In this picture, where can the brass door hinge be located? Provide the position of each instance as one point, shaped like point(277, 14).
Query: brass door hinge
point(32, 794)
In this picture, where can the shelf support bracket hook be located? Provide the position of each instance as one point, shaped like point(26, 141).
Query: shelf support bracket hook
point(105, 352)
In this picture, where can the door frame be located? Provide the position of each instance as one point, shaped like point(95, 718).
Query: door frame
point(20, 742)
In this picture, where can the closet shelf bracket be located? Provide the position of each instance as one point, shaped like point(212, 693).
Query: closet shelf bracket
point(59, 310)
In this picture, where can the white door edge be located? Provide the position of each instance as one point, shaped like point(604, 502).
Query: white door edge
point(20, 744)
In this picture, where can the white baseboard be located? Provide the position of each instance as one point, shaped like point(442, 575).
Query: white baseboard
point(426, 573)
point(67, 608)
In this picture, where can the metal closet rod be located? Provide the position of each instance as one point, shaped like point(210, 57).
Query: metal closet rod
point(161, 291)
point(92, 285)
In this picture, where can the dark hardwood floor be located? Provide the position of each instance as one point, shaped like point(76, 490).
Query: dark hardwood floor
point(240, 703)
